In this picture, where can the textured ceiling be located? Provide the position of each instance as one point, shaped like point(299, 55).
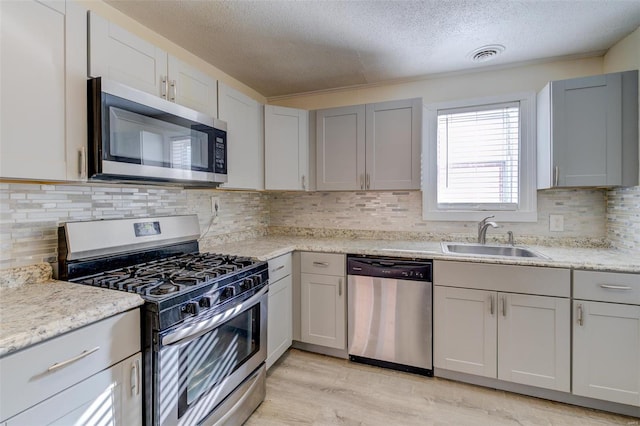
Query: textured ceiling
point(286, 47)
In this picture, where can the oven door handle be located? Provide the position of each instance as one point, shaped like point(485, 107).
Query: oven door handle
point(191, 332)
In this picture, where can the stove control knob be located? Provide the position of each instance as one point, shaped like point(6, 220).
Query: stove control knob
point(192, 308)
point(227, 293)
point(206, 302)
point(247, 284)
point(257, 280)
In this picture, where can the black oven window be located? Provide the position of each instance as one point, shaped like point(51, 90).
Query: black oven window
point(217, 354)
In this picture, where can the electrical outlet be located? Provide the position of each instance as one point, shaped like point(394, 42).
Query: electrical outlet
point(215, 205)
point(556, 223)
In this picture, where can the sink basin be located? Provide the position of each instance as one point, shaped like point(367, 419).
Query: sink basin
point(470, 249)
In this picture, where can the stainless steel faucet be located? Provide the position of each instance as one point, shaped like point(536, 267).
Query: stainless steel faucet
point(482, 229)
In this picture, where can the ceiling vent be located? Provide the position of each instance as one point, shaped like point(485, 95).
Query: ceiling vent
point(486, 53)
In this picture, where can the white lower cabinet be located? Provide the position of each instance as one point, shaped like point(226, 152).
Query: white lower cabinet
point(606, 336)
point(465, 333)
point(534, 340)
point(520, 338)
point(323, 305)
point(111, 397)
point(78, 377)
point(280, 313)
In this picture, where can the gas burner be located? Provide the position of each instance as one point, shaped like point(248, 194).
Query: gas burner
point(164, 288)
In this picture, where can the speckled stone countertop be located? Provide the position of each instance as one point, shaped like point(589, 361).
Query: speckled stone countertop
point(265, 248)
point(34, 308)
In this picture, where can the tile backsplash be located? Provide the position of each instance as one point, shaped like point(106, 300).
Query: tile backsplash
point(623, 218)
point(30, 213)
point(400, 212)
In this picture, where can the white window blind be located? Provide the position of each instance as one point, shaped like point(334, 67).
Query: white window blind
point(478, 157)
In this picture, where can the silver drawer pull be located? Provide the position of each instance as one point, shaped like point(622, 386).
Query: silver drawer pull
point(615, 287)
point(278, 268)
point(325, 264)
point(72, 360)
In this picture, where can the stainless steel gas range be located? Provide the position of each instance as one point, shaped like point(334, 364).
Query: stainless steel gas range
point(204, 318)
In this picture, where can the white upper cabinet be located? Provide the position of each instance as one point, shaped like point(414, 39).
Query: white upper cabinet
point(43, 81)
point(588, 132)
point(119, 55)
point(340, 149)
point(286, 144)
point(375, 146)
point(245, 146)
point(394, 132)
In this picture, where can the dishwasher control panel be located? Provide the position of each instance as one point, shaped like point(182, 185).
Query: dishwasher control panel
point(387, 267)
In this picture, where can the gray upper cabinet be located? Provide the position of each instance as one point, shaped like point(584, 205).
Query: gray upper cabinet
point(367, 147)
point(588, 132)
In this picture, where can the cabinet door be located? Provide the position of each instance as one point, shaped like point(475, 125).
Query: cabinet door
point(465, 330)
point(286, 148)
point(32, 90)
point(191, 87)
point(323, 310)
point(245, 145)
point(394, 132)
point(534, 340)
point(100, 399)
point(119, 55)
point(279, 323)
point(587, 130)
point(340, 148)
point(606, 351)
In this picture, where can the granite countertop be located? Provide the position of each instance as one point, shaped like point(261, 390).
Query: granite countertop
point(34, 308)
point(266, 248)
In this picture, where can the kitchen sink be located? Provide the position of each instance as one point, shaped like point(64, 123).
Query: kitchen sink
point(471, 249)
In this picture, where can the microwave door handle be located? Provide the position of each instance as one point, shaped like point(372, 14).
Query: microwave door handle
point(193, 332)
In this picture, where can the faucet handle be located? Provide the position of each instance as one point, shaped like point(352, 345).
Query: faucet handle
point(483, 221)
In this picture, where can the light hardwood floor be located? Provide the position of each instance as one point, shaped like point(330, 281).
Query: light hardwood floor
point(310, 389)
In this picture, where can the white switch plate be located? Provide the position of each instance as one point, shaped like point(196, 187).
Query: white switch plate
point(556, 223)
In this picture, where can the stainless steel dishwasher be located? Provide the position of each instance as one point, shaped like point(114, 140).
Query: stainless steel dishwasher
point(390, 313)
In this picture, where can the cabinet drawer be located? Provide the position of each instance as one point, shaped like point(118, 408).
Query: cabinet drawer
point(279, 267)
point(607, 287)
point(36, 373)
point(506, 278)
point(323, 263)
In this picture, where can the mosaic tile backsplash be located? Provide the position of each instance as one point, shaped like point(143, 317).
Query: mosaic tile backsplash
point(400, 213)
point(623, 218)
point(30, 214)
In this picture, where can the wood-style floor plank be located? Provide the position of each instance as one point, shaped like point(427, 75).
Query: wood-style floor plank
point(310, 389)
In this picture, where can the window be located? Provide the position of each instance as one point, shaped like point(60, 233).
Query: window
point(479, 160)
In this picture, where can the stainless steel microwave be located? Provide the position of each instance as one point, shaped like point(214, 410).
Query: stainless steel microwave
point(135, 136)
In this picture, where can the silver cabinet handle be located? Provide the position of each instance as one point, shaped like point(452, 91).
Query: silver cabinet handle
point(580, 315)
point(135, 378)
point(368, 181)
point(304, 185)
point(503, 299)
point(361, 181)
point(615, 287)
point(72, 360)
point(278, 268)
point(492, 304)
point(82, 163)
point(556, 175)
point(163, 87)
point(174, 90)
point(339, 286)
point(323, 264)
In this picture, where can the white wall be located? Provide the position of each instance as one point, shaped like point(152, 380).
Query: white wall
point(453, 86)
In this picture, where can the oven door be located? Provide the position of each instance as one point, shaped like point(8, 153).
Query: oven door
point(201, 363)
